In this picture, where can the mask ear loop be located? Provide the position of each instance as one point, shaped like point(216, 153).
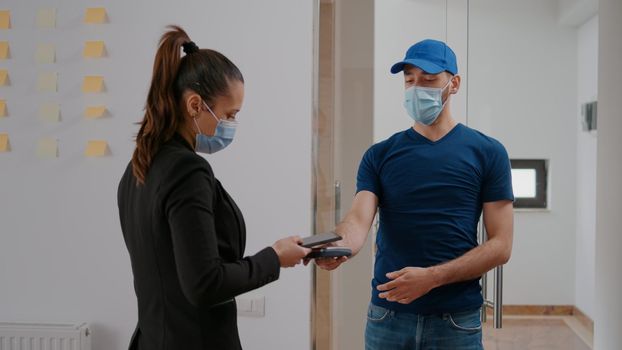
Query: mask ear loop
point(444, 87)
point(211, 112)
point(194, 119)
point(449, 81)
point(195, 116)
point(197, 123)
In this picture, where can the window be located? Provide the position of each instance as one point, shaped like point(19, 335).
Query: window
point(529, 183)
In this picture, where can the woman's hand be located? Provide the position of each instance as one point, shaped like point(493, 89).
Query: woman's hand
point(289, 251)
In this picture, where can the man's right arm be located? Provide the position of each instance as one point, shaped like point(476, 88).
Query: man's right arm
point(354, 227)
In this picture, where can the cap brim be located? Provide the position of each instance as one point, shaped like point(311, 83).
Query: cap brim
point(424, 65)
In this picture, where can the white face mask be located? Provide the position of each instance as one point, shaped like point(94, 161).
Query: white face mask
point(424, 104)
point(225, 131)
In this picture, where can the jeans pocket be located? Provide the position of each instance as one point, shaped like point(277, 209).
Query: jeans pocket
point(376, 313)
point(468, 321)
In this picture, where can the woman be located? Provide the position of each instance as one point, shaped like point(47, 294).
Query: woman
point(184, 233)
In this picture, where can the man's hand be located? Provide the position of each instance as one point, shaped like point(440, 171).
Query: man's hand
point(354, 229)
point(329, 264)
point(408, 284)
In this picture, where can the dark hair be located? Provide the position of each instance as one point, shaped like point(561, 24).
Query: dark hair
point(206, 72)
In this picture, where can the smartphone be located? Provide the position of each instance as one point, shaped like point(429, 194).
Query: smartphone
point(329, 252)
point(319, 239)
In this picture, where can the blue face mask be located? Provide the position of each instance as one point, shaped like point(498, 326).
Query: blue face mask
point(225, 131)
point(424, 104)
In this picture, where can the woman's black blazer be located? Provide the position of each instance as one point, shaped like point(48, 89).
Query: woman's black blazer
point(185, 236)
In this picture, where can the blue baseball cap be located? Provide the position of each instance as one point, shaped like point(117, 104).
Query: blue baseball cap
point(432, 56)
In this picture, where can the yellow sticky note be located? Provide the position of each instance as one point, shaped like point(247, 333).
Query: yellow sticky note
point(4, 77)
point(46, 53)
point(47, 82)
point(94, 112)
point(93, 49)
point(46, 18)
point(93, 83)
point(5, 146)
point(96, 148)
point(95, 15)
point(5, 19)
point(4, 50)
point(47, 148)
point(50, 112)
point(2, 108)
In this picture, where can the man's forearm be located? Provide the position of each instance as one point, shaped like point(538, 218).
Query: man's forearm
point(474, 263)
point(354, 234)
point(354, 228)
point(499, 223)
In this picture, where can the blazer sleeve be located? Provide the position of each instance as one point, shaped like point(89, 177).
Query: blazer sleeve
point(204, 277)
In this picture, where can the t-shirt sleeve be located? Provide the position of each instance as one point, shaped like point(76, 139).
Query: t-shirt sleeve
point(368, 178)
point(498, 175)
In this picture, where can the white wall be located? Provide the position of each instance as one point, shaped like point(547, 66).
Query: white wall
point(576, 12)
point(522, 91)
point(587, 83)
point(608, 309)
point(62, 256)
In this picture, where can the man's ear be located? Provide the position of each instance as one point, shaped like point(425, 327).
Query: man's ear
point(193, 104)
point(455, 84)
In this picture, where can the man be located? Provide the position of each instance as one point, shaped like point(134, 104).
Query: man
point(430, 183)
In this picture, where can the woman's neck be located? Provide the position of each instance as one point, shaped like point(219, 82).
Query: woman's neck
point(188, 135)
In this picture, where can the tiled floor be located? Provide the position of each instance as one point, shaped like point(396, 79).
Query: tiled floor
point(537, 332)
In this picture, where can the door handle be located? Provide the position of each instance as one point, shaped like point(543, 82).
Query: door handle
point(337, 202)
point(497, 297)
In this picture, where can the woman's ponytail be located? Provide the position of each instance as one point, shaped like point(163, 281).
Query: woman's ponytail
point(161, 112)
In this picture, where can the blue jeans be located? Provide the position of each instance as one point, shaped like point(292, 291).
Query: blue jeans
point(390, 330)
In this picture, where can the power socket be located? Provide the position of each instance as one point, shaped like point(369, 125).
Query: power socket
point(251, 307)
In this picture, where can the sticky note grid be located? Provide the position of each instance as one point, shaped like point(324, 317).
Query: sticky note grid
point(45, 82)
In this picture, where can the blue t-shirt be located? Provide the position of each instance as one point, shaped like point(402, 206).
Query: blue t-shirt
point(430, 200)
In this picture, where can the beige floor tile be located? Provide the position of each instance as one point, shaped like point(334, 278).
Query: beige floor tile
point(538, 333)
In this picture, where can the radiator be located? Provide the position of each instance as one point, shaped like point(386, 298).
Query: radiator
point(42, 336)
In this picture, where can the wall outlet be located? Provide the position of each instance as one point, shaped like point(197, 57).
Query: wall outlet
point(252, 307)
